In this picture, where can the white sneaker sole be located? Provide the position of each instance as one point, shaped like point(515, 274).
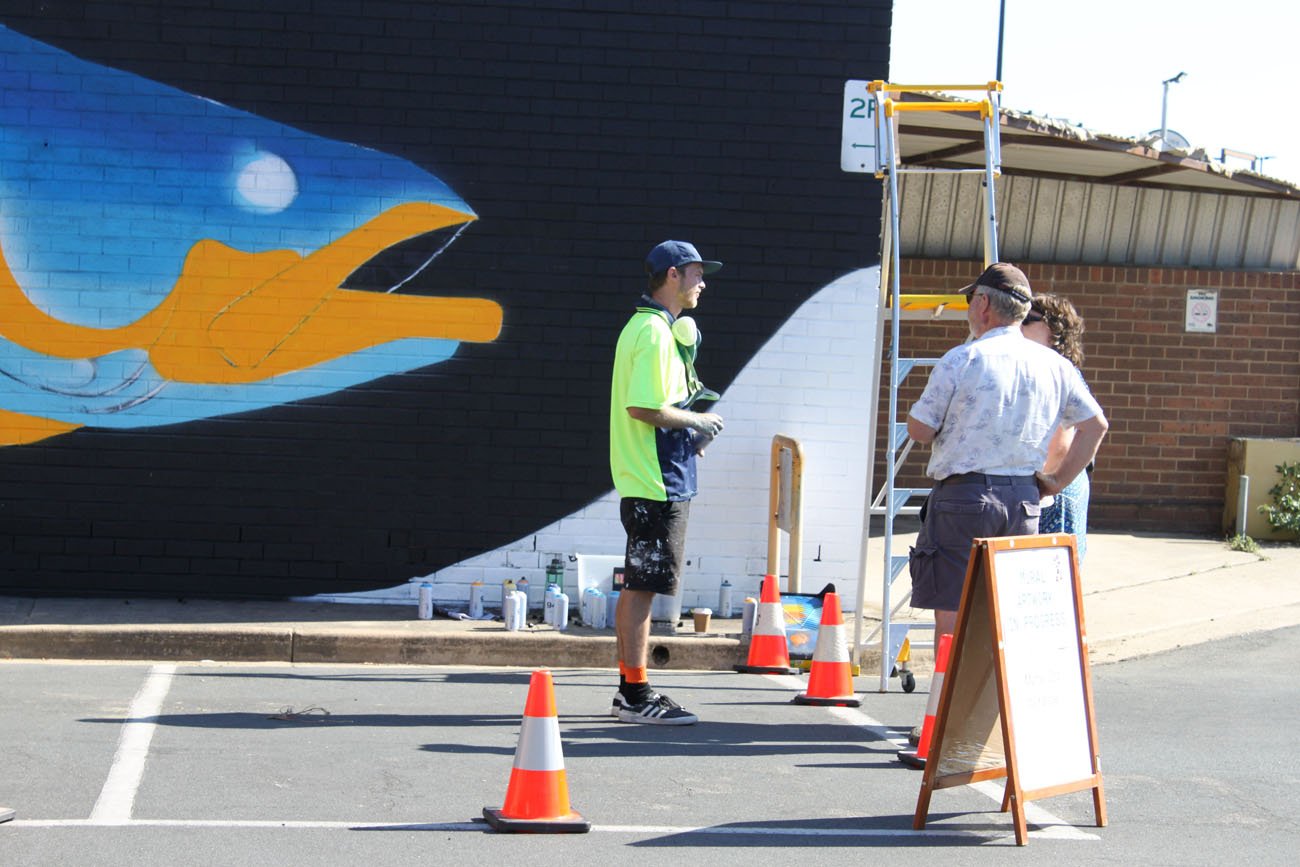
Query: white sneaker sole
point(627, 716)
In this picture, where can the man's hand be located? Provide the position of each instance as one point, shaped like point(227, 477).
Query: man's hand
point(708, 424)
point(1048, 484)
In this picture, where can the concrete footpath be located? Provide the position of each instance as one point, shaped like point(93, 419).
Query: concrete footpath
point(1142, 594)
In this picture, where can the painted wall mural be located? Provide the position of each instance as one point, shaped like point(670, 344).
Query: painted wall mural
point(166, 258)
point(302, 299)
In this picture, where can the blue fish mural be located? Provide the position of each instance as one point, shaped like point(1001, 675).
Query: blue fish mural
point(165, 258)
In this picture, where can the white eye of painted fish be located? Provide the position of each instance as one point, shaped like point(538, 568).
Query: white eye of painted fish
point(267, 183)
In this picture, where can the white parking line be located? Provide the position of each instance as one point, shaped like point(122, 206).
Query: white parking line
point(1050, 824)
point(118, 795)
point(992, 836)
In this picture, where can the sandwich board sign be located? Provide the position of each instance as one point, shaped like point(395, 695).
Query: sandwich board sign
point(1017, 696)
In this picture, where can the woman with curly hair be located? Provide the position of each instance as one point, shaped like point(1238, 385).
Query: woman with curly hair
point(1053, 322)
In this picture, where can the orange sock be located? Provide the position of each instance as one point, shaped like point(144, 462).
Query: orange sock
point(636, 675)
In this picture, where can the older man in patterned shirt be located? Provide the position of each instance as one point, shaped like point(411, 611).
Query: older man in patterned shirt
point(988, 411)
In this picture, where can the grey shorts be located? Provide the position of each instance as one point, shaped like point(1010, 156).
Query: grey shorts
point(656, 543)
point(957, 513)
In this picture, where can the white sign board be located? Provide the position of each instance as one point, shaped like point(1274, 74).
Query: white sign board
point(1040, 636)
point(1202, 310)
point(858, 129)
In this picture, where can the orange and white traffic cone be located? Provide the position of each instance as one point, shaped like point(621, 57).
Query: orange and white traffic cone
point(768, 651)
point(537, 799)
point(916, 758)
point(830, 680)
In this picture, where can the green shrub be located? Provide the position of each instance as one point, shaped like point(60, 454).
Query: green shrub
point(1242, 542)
point(1284, 514)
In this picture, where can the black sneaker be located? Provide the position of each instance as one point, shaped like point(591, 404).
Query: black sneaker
point(618, 704)
point(658, 710)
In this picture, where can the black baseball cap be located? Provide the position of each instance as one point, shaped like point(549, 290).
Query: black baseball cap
point(674, 254)
point(1004, 278)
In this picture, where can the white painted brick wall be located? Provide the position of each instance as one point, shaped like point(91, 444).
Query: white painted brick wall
point(812, 382)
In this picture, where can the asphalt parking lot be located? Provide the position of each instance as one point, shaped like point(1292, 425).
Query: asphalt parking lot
point(236, 763)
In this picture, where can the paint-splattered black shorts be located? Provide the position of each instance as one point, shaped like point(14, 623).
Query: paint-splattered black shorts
point(656, 543)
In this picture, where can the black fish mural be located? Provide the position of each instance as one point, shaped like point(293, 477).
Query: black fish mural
point(569, 145)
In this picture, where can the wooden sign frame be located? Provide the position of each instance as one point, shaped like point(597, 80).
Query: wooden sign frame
point(1017, 695)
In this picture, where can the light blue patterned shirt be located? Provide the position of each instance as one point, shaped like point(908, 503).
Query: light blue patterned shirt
point(996, 401)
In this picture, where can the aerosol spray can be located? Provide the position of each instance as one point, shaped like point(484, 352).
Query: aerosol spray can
point(425, 608)
point(548, 604)
point(522, 586)
point(611, 609)
point(476, 600)
point(584, 605)
point(512, 611)
point(562, 611)
point(724, 599)
point(747, 618)
point(555, 574)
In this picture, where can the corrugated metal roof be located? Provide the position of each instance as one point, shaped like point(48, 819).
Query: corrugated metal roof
point(1070, 195)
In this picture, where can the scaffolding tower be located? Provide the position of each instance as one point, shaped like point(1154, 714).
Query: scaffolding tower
point(892, 500)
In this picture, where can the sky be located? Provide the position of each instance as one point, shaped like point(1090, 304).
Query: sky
point(1101, 64)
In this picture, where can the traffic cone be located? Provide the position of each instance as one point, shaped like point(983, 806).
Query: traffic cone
point(916, 758)
point(537, 799)
point(768, 652)
point(830, 680)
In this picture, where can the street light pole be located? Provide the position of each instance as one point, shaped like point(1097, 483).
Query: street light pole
point(1164, 107)
point(1002, 18)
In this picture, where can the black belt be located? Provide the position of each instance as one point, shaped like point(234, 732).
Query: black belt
point(986, 479)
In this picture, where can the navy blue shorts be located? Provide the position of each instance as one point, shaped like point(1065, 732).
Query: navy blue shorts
point(956, 514)
point(656, 543)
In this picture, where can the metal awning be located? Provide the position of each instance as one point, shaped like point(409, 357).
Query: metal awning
point(1069, 195)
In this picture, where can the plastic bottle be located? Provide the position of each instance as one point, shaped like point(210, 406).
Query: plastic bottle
point(425, 608)
point(599, 610)
point(476, 600)
point(724, 599)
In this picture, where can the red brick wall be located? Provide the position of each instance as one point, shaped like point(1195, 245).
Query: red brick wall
point(1173, 399)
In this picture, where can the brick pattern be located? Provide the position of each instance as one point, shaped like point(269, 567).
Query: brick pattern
point(581, 132)
point(1173, 398)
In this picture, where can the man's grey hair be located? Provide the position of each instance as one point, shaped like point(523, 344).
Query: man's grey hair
point(1006, 309)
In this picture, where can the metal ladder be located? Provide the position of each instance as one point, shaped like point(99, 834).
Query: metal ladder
point(892, 500)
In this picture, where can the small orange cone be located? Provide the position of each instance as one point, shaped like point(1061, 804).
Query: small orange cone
point(768, 651)
point(916, 758)
point(830, 680)
point(537, 799)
